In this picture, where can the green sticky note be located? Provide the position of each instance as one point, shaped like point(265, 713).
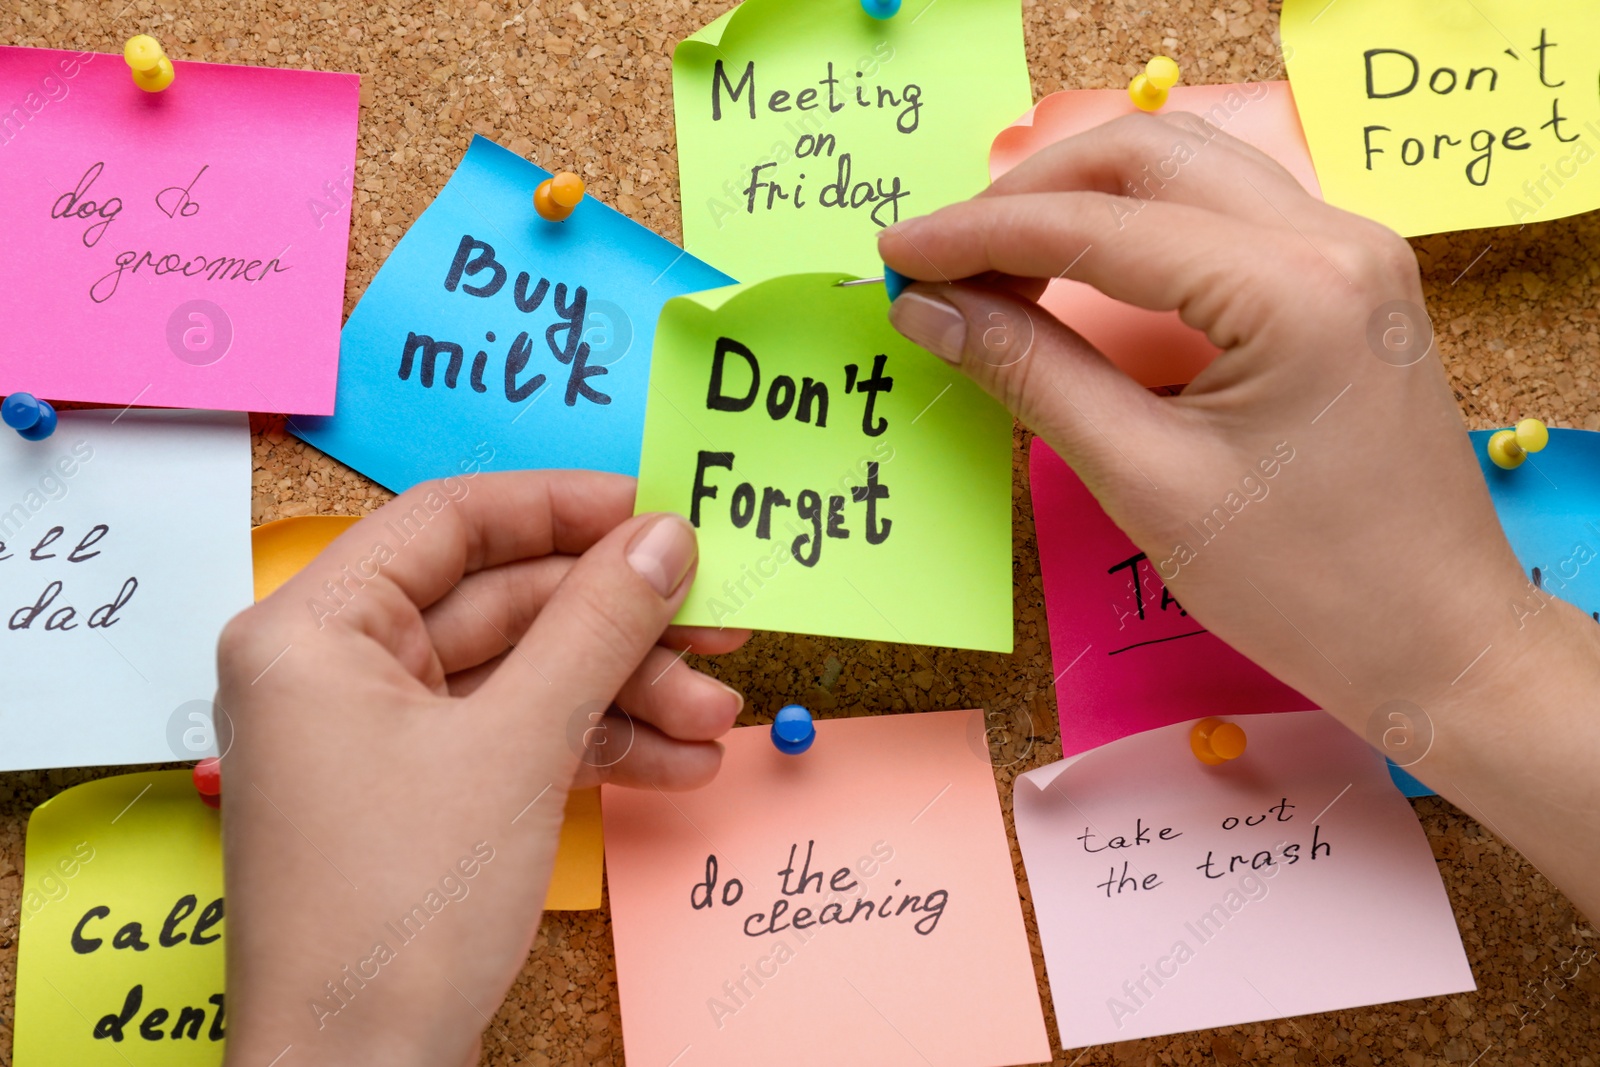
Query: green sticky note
point(805, 127)
point(121, 954)
point(843, 481)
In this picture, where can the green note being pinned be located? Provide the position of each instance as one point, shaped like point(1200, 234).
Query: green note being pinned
point(805, 126)
point(842, 480)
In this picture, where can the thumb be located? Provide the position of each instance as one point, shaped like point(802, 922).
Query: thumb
point(603, 619)
point(1059, 385)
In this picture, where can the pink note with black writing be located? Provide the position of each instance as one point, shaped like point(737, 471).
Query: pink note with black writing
point(176, 249)
point(1128, 657)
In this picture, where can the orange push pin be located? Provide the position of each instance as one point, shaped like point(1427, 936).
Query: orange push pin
point(556, 197)
point(1148, 91)
point(152, 70)
point(1215, 741)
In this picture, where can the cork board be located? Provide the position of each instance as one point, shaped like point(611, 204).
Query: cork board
point(586, 85)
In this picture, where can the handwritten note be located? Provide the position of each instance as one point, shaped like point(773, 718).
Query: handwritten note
point(1154, 347)
point(281, 548)
point(1439, 115)
point(121, 954)
point(514, 342)
point(184, 248)
point(124, 548)
point(832, 468)
point(805, 128)
point(1127, 655)
point(834, 907)
point(1174, 896)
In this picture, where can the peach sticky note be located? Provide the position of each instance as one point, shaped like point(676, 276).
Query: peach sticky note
point(1175, 896)
point(281, 548)
point(1127, 656)
point(854, 904)
point(186, 248)
point(1154, 347)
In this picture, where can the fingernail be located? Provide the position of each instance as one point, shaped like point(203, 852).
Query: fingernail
point(663, 552)
point(932, 323)
point(736, 695)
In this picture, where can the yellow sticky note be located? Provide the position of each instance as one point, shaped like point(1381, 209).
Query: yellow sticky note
point(1436, 115)
point(121, 960)
point(282, 548)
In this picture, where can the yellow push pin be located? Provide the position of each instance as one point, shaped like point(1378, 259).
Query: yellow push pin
point(1215, 741)
point(152, 70)
point(1508, 448)
point(556, 197)
point(1148, 91)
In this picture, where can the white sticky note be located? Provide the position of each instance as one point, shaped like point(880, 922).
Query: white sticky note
point(1175, 896)
point(126, 547)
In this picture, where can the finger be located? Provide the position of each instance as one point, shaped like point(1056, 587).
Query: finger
point(598, 625)
point(1185, 258)
point(678, 700)
point(1176, 157)
point(703, 640)
point(424, 540)
point(644, 758)
point(485, 612)
point(1058, 384)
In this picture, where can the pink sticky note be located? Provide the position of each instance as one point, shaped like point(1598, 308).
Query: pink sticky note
point(176, 249)
point(1127, 656)
point(1174, 896)
point(853, 904)
point(1154, 347)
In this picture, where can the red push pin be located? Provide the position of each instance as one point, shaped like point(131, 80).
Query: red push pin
point(208, 781)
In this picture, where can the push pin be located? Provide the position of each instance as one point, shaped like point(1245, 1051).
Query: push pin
point(208, 781)
point(893, 282)
point(1215, 741)
point(1149, 90)
point(1508, 448)
point(881, 9)
point(556, 197)
point(152, 70)
point(31, 417)
point(792, 731)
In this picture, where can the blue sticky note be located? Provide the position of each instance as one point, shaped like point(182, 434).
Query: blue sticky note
point(1550, 510)
point(493, 339)
point(1403, 781)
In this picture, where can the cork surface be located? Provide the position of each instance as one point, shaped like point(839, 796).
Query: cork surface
point(586, 85)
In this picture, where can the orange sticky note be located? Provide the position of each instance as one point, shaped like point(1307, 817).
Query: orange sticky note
point(853, 904)
point(1155, 348)
point(282, 548)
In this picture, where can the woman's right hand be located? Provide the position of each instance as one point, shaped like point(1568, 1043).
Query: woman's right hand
point(1375, 568)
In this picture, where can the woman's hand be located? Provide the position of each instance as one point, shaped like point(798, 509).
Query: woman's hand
point(408, 714)
point(1372, 567)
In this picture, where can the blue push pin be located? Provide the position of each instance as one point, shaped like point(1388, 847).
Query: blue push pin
point(34, 419)
point(881, 9)
point(792, 731)
point(893, 281)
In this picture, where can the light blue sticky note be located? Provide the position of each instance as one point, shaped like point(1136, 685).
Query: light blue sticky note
point(1403, 781)
point(493, 339)
point(1550, 510)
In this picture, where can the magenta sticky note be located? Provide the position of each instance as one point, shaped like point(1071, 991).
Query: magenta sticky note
point(176, 249)
point(1128, 657)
